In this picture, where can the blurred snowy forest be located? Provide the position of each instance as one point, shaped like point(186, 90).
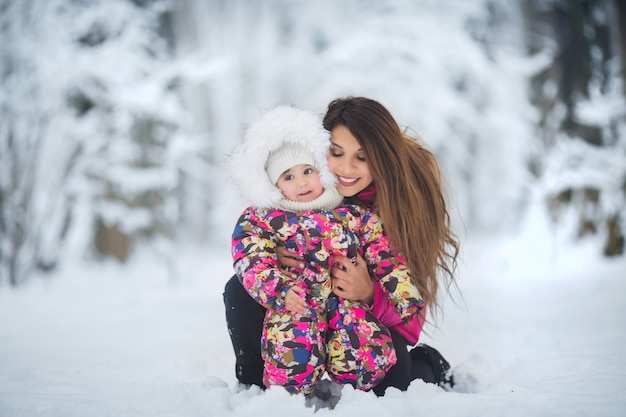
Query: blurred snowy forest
point(116, 115)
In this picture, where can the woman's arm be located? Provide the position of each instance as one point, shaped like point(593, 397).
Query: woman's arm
point(383, 309)
point(352, 282)
point(388, 269)
point(288, 261)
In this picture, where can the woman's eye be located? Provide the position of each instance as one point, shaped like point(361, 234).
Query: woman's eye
point(361, 158)
point(335, 154)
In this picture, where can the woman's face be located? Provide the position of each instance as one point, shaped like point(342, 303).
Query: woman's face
point(347, 161)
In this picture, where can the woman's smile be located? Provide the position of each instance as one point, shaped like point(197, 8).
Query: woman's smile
point(346, 160)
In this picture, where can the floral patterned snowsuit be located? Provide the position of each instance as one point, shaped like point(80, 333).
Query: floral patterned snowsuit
point(334, 335)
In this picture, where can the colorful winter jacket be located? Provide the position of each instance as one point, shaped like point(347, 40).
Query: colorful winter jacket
point(359, 348)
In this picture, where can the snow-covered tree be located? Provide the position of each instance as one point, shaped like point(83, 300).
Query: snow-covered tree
point(37, 157)
point(582, 98)
point(90, 111)
point(116, 115)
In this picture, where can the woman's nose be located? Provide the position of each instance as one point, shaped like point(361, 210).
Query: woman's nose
point(345, 168)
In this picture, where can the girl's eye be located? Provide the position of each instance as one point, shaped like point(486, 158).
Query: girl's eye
point(308, 171)
point(288, 177)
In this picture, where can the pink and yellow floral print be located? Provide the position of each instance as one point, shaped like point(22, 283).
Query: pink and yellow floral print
point(334, 335)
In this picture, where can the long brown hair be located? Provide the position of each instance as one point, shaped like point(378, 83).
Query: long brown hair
point(409, 194)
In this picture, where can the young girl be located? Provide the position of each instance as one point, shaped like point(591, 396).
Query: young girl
point(378, 166)
point(281, 171)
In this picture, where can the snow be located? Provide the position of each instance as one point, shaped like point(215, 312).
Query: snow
point(538, 331)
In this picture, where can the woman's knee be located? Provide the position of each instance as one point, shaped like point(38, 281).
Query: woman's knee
point(239, 304)
point(233, 290)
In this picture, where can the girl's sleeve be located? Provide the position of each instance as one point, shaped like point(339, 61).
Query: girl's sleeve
point(255, 262)
point(397, 301)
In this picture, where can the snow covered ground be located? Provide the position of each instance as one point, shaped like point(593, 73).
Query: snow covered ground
point(539, 332)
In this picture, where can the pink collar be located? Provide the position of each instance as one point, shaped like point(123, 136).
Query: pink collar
point(367, 195)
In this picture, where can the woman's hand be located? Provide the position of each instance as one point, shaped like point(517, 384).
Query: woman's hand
point(294, 300)
point(352, 281)
point(288, 260)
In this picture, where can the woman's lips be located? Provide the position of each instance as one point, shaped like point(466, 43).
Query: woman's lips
point(346, 182)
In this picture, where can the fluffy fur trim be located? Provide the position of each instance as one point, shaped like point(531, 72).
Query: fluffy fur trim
point(281, 125)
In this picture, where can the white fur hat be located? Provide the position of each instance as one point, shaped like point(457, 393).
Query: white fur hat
point(275, 129)
point(287, 156)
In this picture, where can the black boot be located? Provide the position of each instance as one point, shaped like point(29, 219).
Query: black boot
point(430, 366)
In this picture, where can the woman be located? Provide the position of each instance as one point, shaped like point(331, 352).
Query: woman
point(376, 165)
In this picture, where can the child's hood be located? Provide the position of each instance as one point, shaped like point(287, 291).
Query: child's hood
point(275, 128)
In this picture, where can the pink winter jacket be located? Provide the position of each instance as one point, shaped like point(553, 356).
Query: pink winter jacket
point(317, 236)
point(318, 239)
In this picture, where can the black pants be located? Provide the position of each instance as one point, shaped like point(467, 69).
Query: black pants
point(244, 319)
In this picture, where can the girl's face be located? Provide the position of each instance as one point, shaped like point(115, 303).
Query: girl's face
point(346, 160)
point(300, 183)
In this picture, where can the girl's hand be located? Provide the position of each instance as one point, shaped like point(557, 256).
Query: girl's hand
point(288, 260)
point(352, 281)
point(294, 300)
